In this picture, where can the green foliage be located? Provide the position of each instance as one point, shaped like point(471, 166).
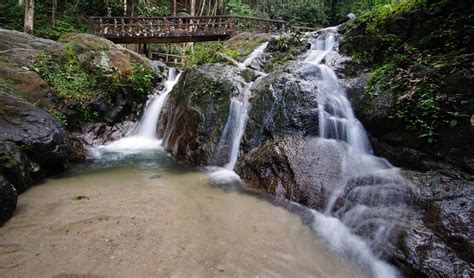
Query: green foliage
point(67, 19)
point(146, 8)
point(237, 7)
point(303, 13)
point(283, 49)
point(141, 80)
point(76, 82)
point(59, 116)
point(11, 15)
point(416, 72)
point(72, 79)
point(213, 52)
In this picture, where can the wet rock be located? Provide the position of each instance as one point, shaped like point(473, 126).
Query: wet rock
point(280, 151)
point(37, 134)
point(439, 242)
point(8, 199)
point(94, 134)
point(16, 167)
point(196, 112)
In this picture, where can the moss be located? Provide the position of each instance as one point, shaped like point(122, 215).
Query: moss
point(85, 42)
point(216, 88)
point(83, 73)
point(283, 49)
point(245, 43)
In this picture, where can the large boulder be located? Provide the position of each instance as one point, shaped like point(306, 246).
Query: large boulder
point(10, 39)
point(439, 243)
point(197, 110)
point(37, 134)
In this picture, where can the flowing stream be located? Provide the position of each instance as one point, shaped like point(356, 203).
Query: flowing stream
point(235, 126)
point(145, 137)
point(134, 211)
point(373, 198)
point(146, 215)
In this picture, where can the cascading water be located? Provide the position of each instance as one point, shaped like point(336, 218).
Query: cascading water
point(372, 200)
point(236, 123)
point(152, 113)
point(235, 126)
point(254, 55)
point(145, 137)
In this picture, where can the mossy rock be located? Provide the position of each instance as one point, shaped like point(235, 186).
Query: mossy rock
point(245, 42)
point(86, 42)
point(196, 113)
point(25, 84)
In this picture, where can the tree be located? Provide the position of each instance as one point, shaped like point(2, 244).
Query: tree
point(29, 15)
point(53, 12)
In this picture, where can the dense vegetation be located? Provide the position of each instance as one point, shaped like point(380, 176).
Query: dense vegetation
point(83, 74)
point(420, 53)
point(53, 18)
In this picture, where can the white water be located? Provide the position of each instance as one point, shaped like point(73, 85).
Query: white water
point(235, 126)
point(145, 137)
point(375, 206)
point(152, 113)
point(236, 123)
point(254, 55)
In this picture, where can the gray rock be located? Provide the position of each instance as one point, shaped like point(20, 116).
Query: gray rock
point(8, 199)
point(196, 112)
point(37, 134)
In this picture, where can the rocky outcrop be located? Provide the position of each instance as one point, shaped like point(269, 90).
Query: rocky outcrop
point(8, 199)
point(197, 110)
point(423, 44)
point(277, 146)
point(34, 78)
point(32, 146)
point(439, 243)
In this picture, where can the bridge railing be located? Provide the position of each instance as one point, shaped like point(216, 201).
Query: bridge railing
point(168, 59)
point(142, 27)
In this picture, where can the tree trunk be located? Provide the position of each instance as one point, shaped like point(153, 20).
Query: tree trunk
point(21, 2)
point(130, 7)
point(174, 7)
point(193, 8)
point(53, 12)
point(29, 14)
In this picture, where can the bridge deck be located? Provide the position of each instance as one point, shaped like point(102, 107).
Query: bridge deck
point(181, 29)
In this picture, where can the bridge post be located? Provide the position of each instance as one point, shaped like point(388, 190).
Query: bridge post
point(233, 26)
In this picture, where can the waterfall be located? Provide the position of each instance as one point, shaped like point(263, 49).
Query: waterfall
point(254, 55)
point(235, 125)
point(372, 199)
point(145, 137)
point(152, 113)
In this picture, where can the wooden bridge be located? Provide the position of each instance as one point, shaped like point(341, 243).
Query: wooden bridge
point(175, 29)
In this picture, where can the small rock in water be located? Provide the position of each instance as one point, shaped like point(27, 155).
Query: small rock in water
point(156, 176)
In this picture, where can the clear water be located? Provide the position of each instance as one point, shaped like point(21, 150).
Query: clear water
point(375, 198)
point(146, 215)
